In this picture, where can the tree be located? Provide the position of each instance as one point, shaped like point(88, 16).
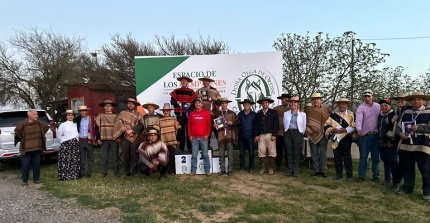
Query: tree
point(40, 64)
point(342, 66)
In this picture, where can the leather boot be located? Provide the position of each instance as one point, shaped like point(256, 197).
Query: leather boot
point(272, 164)
point(262, 165)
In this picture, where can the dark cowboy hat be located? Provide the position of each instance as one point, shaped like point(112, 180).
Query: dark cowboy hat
point(107, 101)
point(265, 99)
point(284, 95)
point(134, 101)
point(385, 101)
point(150, 103)
point(184, 77)
point(207, 78)
point(247, 101)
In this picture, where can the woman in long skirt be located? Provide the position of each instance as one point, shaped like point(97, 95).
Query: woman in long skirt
point(68, 157)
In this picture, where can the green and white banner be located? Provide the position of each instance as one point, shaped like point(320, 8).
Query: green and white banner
point(237, 76)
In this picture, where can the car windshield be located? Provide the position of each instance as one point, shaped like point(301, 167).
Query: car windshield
point(9, 119)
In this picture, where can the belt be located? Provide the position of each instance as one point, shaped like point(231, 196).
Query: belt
point(80, 138)
point(372, 133)
point(292, 130)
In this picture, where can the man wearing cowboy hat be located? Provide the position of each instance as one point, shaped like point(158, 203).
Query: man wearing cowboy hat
point(415, 144)
point(367, 127)
point(247, 119)
point(149, 120)
point(266, 129)
point(339, 128)
point(84, 125)
point(104, 136)
point(401, 107)
point(281, 109)
point(316, 116)
point(169, 127)
point(209, 95)
point(182, 99)
point(226, 135)
point(123, 132)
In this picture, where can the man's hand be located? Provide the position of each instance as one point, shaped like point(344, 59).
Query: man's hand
point(99, 142)
point(273, 138)
point(229, 123)
point(403, 136)
point(309, 131)
point(414, 128)
point(151, 166)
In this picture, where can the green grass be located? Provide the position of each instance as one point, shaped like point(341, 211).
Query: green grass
point(241, 198)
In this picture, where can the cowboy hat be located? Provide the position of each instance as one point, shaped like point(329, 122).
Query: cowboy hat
point(83, 108)
point(153, 130)
point(184, 77)
point(345, 100)
point(284, 95)
point(247, 101)
point(295, 98)
point(399, 96)
point(150, 103)
point(224, 100)
point(316, 95)
point(385, 101)
point(69, 111)
point(417, 95)
point(134, 101)
point(166, 106)
point(107, 101)
point(207, 78)
point(265, 99)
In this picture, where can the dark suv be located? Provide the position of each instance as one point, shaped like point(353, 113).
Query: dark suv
point(8, 121)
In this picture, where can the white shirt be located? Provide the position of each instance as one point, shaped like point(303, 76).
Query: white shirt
point(67, 131)
point(301, 120)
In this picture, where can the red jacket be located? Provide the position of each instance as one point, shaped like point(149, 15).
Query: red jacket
point(199, 124)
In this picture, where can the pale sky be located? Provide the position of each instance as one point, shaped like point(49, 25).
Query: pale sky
point(246, 26)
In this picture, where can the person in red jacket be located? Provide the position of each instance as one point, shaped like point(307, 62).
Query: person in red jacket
point(199, 129)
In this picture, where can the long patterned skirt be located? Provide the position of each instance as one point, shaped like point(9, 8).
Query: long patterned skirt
point(69, 160)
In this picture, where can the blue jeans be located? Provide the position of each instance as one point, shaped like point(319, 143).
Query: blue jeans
point(388, 155)
point(246, 143)
point(196, 145)
point(369, 143)
point(31, 158)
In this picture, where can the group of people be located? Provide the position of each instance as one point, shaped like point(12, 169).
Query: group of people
point(399, 137)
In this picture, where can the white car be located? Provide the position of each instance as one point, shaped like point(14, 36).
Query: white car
point(8, 121)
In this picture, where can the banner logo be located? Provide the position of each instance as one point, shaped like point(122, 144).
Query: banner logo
point(254, 84)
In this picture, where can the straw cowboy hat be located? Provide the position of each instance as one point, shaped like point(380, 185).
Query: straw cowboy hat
point(265, 99)
point(207, 78)
point(69, 111)
point(417, 95)
point(345, 100)
point(134, 101)
point(316, 95)
point(295, 98)
point(224, 100)
point(166, 106)
point(150, 103)
point(83, 108)
point(153, 130)
point(284, 95)
point(107, 101)
point(400, 96)
point(247, 101)
point(184, 78)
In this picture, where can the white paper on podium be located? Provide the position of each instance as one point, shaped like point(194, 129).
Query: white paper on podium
point(183, 163)
point(215, 165)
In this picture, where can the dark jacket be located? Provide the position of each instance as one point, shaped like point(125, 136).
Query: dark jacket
point(385, 125)
point(247, 123)
point(267, 123)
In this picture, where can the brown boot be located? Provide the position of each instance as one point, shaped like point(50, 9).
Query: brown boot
point(262, 166)
point(272, 164)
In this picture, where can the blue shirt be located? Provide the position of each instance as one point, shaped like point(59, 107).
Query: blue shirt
point(247, 123)
point(83, 128)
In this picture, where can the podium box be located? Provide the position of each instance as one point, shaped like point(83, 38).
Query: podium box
point(183, 163)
